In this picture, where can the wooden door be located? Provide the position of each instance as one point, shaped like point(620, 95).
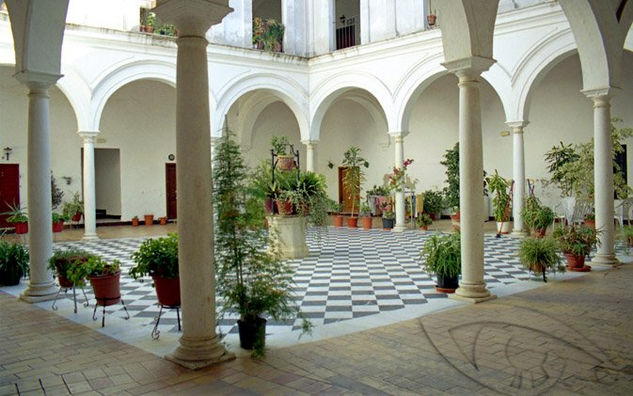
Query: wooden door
point(9, 190)
point(170, 185)
point(344, 195)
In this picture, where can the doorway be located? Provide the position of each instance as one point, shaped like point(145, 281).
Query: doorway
point(108, 183)
point(170, 191)
point(9, 190)
point(344, 195)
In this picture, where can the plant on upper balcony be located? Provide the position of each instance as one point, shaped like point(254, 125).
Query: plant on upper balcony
point(268, 34)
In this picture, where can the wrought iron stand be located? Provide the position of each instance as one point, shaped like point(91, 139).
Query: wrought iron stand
point(155, 331)
point(65, 290)
point(104, 300)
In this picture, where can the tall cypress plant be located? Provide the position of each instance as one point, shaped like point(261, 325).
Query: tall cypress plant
point(451, 192)
point(251, 279)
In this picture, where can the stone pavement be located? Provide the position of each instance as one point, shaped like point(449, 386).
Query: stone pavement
point(567, 337)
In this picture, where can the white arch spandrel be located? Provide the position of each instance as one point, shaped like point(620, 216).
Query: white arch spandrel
point(78, 95)
point(286, 90)
point(126, 73)
point(335, 86)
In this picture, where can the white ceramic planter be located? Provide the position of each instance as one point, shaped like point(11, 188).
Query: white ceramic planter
point(505, 227)
point(289, 233)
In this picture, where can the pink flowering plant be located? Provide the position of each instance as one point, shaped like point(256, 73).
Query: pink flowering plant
point(398, 177)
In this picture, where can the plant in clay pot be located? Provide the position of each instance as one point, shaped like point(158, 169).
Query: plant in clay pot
point(14, 262)
point(62, 261)
point(337, 208)
point(501, 201)
point(424, 221)
point(73, 209)
point(353, 180)
point(18, 218)
point(280, 146)
point(365, 215)
point(441, 255)
point(158, 258)
point(432, 203)
point(536, 216)
point(540, 255)
point(576, 242)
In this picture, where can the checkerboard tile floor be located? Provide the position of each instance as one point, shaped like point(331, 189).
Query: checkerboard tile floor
point(349, 273)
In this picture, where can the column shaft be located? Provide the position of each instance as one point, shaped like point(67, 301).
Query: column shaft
point(518, 174)
point(41, 286)
point(310, 156)
point(90, 200)
point(472, 286)
point(399, 163)
point(603, 179)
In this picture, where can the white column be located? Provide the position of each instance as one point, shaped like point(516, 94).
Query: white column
point(603, 176)
point(518, 174)
point(199, 344)
point(90, 197)
point(399, 161)
point(472, 287)
point(310, 154)
point(41, 286)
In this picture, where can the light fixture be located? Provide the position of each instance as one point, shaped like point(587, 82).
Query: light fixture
point(68, 179)
point(7, 151)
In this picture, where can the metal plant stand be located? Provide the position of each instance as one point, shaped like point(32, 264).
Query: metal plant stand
point(65, 290)
point(155, 331)
point(104, 300)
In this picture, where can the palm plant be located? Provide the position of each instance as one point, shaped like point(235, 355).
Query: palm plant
point(354, 176)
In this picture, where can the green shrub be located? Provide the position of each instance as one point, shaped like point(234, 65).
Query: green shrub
point(156, 257)
point(539, 255)
point(441, 254)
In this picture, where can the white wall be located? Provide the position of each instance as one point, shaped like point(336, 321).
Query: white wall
point(108, 180)
point(139, 120)
point(111, 14)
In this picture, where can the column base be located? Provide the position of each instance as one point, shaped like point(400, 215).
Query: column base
point(399, 228)
point(605, 260)
point(196, 353)
point(39, 293)
point(90, 237)
point(472, 293)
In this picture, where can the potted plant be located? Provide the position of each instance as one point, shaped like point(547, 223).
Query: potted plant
point(432, 203)
point(251, 278)
point(536, 216)
point(365, 215)
point(539, 255)
point(431, 19)
point(337, 208)
point(424, 221)
point(135, 221)
point(388, 216)
point(14, 262)
point(451, 191)
point(58, 222)
point(501, 201)
point(63, 260)
point(590, 220)
point(18, 218)
point(104, 278)
point(149, 219)
point(158, 258)
point(576, 242)
point(262, 186)
point(280, 148)
point(73, 209)
point(353, 180)
point(627, 235)
point(441, 255)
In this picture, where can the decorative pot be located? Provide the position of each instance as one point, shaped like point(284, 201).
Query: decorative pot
point(269, 205)
point(284, 207)
point(447, 284)
point(64, 282)
point(338, 221)
point(135, 222)
point(431, 19)
point(167, 290)
point(539, 232)
point(252, 332)
point(58, 226)
point(149, 219)
point(11, 276)
point(286, 162)
point(106, 288)
point(590, 223)
point(76, 216)
point(576, 263)
point(503, 227)
point(424, 228)
point(352, 222)
point(21, 228)
point(387, 224)
point(367, 220)
point(162, 220)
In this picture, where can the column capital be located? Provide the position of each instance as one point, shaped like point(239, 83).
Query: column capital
point(398, 134)
point(86, 135)
point(517, 126)
point(310, 142)
point(192, 17)
point(468, 69)
point(600, 94)
point(37, 80)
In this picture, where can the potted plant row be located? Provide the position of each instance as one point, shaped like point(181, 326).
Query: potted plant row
point(536, 216)
point(441, 255)
point(14, 262)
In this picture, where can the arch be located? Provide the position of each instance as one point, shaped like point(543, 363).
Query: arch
point(252, 108)
point(332, 88)
point(122, 74)
point(534, 65)
point(282, 88)
point(78, 95)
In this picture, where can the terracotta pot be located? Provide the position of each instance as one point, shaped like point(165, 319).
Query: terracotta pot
point(149, 219)
point(284, 207)
point(431, 19)
point(352, 222)
point(106, 288)
point(590, 223)
point(269, 205)
point(167, 290)
point(58, 226)
point(367, 220)
point(21, 228)
point(574, 261)
point(162, 220)
point(424, 228)
point(338, 221)
point(252, 332)
point(285, 162)
point(135, 222)
point(539, 232)
point(77, 216)
point(64, 282)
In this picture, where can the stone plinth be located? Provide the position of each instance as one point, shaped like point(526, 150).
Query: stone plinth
point(289, 234)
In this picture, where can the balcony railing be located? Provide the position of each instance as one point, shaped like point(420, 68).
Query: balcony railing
point(345, 32)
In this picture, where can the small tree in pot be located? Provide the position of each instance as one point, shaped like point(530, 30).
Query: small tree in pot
point(540, 255)
point(14, 262)
point(536, 216)
point(158, 258)
point(501, 201)
point(576, 242)
point(432, 203)
point(354, 179)
point(441, 255)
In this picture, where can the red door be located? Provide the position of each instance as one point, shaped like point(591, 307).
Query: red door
point(9, 190)
point(170, 183)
